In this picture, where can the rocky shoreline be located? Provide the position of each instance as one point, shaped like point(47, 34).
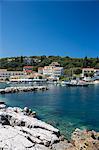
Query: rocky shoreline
point(21, 130)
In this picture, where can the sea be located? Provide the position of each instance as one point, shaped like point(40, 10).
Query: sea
point(66, 108)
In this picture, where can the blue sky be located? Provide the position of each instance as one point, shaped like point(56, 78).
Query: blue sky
point(49, 28)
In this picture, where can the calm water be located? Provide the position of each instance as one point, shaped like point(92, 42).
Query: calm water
point(64, 107)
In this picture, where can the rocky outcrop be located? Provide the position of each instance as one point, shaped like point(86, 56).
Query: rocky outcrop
point(85, 140)
point(21, 130)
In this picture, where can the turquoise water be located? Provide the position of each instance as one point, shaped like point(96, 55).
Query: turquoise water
point(66, 108)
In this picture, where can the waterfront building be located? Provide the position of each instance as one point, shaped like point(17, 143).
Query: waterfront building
point(86, 71)
point(16, 78)
point(90, 70)
point(40, 70)
point(36, 75)
point(3, 70)
point(96, 75)
point(53, 70)
point(4, 74)
point(48, 70)
point(57, 71)
point(96, 72)
point(33, 77)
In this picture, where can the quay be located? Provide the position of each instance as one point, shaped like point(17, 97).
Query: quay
point(22, 89)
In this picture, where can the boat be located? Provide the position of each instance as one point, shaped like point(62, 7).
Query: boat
point(70, 84)
point(77, 83)
point(64, 83)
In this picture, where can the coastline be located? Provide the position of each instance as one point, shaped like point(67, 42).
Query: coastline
point(54, 107)
point(21, 130)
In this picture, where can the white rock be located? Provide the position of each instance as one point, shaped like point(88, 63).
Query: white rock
point(25, 132)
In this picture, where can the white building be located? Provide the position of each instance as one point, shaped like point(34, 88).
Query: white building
point(53, 70)
point(96, 72)
point(40, 70)
point(87, 71)
point(57, 71)
point(48, 70)
point(7, 74)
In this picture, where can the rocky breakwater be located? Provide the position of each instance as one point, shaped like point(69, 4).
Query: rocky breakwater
point(22, 89)
point(21, 130)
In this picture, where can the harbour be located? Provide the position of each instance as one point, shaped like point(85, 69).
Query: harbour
point(63, 107)
point(49, 75)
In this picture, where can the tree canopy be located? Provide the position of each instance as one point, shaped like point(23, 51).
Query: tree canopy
point(17, 63)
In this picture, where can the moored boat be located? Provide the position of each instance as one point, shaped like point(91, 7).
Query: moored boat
point(77, 83)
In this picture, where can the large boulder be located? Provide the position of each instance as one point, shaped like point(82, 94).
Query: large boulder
point(21, 131)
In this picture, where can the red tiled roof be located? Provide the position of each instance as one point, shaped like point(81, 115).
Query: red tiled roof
point(28, 67)
point(28, 71)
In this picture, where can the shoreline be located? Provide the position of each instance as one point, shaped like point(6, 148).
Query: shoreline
point(20, 129)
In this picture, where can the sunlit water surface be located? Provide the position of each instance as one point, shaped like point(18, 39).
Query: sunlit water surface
point(66, 108)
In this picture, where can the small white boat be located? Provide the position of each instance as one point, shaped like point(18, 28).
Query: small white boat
point(64, 83)
point(77, 83)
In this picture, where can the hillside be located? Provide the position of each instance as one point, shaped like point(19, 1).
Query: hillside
point(17, 63)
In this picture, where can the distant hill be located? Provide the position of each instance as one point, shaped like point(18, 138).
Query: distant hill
point(17, 63)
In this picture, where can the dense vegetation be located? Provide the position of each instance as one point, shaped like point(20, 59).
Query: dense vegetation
point(69, 64)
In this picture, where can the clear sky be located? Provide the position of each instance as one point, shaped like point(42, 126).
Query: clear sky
point(66, 28)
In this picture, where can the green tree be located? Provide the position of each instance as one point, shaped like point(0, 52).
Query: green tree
point(97, 66)
point(21, 59)
point(85, 62)
point(40, 77)
point(77, 71)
